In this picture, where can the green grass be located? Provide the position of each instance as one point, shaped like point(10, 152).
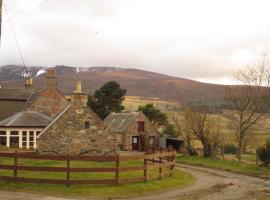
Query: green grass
point(179, 179)
point(229, 165)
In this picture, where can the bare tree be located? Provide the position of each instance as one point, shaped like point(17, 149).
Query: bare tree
point(199, 124)
point(183, 128)
point(250, 99)
point(205, 128)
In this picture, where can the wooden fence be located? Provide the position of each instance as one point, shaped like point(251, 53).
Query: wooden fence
point(157, 160)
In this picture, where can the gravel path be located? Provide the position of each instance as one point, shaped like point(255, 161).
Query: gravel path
point(211, 184)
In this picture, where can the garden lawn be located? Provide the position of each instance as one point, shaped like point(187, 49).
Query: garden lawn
point(229, 165)
point(179, 179)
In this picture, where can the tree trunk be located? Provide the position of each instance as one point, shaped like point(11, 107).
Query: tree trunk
point(207, 149)
point(240, 148)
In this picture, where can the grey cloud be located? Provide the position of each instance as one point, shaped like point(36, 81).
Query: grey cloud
point(73, 33)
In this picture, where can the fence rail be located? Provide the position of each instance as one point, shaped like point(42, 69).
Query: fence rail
point(157, 160)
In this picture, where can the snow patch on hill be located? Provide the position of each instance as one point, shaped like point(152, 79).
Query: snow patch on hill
point(40, 72)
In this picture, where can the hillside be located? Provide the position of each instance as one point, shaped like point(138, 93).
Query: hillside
point(137, 82)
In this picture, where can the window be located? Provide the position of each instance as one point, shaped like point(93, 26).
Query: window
point(141, 126)
point(14, 139)
point(3, 133)
point(3, 138)
point(14, 133)
point(135, 140)
point(87, 125)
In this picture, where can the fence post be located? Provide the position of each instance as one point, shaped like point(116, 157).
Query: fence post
point(170, 162)
point(160, 165)
point(68, 170)
point(145, 169)
point(15, 172)
point(117, 166)
point(173, 161)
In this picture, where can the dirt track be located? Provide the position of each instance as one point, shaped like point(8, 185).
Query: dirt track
point(210, 185)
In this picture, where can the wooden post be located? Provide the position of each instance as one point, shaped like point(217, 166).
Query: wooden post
point(145, 170)
point(15, 172)
point(173, 161)
point(68, 171)
point(117, 166)
point(171, 167)
point(160, 165)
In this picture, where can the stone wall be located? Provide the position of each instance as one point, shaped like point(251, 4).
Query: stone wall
point(68, 135)
point(150, 130)
point(50, 102)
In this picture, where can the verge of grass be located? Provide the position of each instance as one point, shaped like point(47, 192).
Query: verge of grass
point(178, 180)
point(228, 165)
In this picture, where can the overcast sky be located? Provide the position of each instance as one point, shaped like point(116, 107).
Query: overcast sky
point(204, 40)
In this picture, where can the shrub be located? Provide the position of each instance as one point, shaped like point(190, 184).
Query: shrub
point(230, 148)
point(263, 152)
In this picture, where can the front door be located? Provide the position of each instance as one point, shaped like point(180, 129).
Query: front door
point(135, 143)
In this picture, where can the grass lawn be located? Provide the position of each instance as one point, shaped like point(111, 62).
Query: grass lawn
point(246, 158)
point(229, 165)
point(179, 179)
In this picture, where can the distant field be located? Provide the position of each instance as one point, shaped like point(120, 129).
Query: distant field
point(257, 135)
point(132, 103)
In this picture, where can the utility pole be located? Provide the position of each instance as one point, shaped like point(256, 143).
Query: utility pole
point(1, 2)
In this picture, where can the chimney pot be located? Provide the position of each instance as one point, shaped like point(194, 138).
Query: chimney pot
point(51, 73)
point(78, 98)
point(78, 87)
point(51, 78)
point(29, 83)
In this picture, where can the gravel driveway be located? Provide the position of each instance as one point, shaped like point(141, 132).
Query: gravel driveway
point(211, 184)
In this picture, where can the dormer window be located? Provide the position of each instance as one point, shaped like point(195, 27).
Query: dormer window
point(86, 125)
point(141, 126)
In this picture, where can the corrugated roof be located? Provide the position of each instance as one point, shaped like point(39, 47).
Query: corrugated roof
point(26, 119)
point(15, 94)
point(119, 122)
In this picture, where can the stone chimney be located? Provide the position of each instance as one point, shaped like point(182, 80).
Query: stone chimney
point(78, 98)
point(29, 83)
point(51, 79)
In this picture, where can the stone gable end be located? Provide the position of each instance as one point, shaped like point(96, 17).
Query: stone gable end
point(132, 130)
point(68, 134)
point(50, 102)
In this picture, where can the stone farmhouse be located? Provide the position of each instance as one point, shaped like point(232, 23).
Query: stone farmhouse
point(45, 120)
point(77, 130)
point(134, 131)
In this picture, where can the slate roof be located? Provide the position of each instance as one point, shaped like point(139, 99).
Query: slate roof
point(26, 119)
point(13, 100)
point(15, 94)
point(7, 108)
point(119, 122)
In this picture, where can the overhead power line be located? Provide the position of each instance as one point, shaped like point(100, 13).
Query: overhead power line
point(27, 14)
point(14, 34)
point(23, 8)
